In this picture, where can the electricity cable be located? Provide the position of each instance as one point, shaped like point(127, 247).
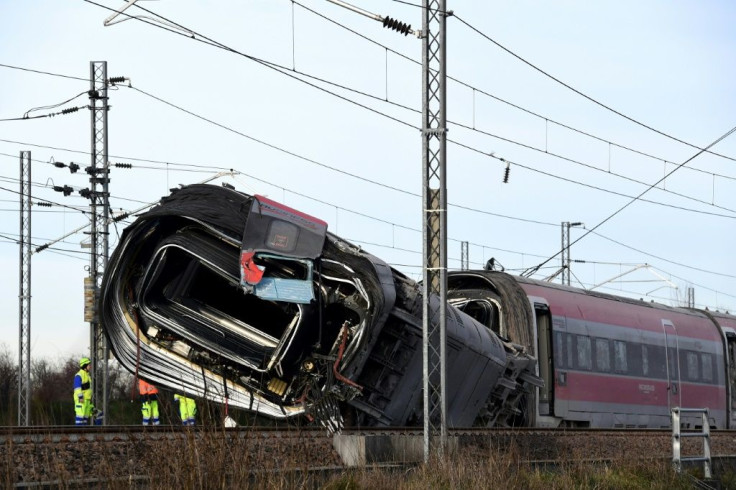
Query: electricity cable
point(588, 232)
point(499, 99)
point(591, 99)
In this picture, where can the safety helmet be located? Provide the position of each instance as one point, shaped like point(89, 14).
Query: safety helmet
point(84, 361)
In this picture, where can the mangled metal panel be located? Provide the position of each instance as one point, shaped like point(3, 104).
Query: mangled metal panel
point(278, 234)
point(238, 298)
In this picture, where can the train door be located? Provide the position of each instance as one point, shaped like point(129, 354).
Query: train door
point(672, 356)
point(731, 374)
point(544, 358)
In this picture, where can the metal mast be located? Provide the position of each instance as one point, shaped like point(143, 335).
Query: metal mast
point(99, 211)
point(434, 232)
point(464, 256)
point(565, 252)
point(566, 225)
point(24, 295)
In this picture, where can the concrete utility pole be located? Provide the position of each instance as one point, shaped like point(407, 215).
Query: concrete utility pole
point(24, 294)
point(99, 212)
point(434, 202)
point(566, 225)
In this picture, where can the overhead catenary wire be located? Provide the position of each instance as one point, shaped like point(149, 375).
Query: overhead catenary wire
point(487, 94)
point(474, 244)
point(199, 37)
point(588, 232)
point(514, 218)
point(311, 161)
point(299, 156)
point(285, 71)
point(591, 99)
point(598, 188)
point(64, 112)
point(475, 89)
point(548, 174)
point(14, 67)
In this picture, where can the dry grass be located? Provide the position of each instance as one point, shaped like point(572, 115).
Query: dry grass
point(507, 471)
point(207, 460)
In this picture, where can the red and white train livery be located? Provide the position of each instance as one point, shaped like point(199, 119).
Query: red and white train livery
point(608, 361)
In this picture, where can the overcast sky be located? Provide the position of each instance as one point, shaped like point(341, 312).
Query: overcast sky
point(332, 129)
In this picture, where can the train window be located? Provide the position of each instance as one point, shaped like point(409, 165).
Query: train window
point(707, 363)
point(692, 366)
point(569, 351)
point(619, 357)
point(584, 352)
point(602, 355)
point(644, 360)
point(559, 349)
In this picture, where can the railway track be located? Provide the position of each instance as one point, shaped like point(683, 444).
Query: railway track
point(72, 433)
point(113, 453)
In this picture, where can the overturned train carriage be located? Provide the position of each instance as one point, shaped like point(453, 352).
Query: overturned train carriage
point(237, 298)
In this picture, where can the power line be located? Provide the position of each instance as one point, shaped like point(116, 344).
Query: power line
point(694, 284)
point(83, 152)
point(44, 72)
point(406, 227)
point(195, 36)
point(15, 240)
point(284, 71)
point(593, 167)
point(330, 168)
point(602, 189)
point(45, 200)
point(69, 110)
point(530, 147)
point(270, 145)
point(475, 89)
point(662, 258)
point(547, 119)
point(588, 232)
point(355, 175)
point(591, 99)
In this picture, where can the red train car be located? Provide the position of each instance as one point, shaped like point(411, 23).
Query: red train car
point(607, 361)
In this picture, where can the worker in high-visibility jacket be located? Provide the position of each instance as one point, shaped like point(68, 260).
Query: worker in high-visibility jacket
point(83, 393)
point(187, 409)
point(149, 398)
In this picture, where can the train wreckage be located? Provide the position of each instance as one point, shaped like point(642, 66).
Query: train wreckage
point(242, 300)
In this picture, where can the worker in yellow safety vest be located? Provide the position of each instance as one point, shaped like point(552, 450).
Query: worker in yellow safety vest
point(149, 398)
point(83, 393)
point(187, 409)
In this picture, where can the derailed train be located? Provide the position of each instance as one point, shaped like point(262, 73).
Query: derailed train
point(241, 300)
point(244, 301)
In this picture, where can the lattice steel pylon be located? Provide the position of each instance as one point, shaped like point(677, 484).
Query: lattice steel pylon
point(99, 212)
point(565, 256)
point(434, 233)
point(464, 256)
point(24, 294)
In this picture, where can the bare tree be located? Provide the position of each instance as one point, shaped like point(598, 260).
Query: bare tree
point(8, 386)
